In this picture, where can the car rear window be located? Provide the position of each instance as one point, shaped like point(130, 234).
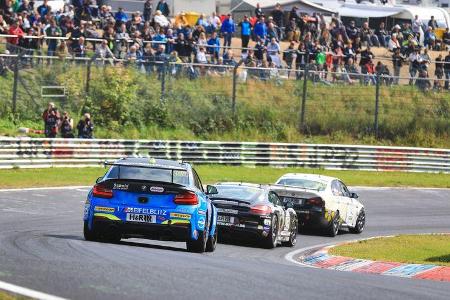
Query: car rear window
point(150, 174)
point(244, 193)
point(303, 183)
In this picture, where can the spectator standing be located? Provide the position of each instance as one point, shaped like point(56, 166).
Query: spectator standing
point(214, 46)
point(447, 70)
point(52, 31)
point(148, 6)
point(439, 72)
point(383, 35)
point(78, 48)
point(397, 63)
point(227, 30)
point(51, 119)
point(278, 18)
point(432, 23)
point(260, 30)
point(121, 17)
point(66, 126)
point(85, 127)
point(215, 22)
point(246, 30)
point(417, 26)
point(414, 64)
point(13, 42)
point(446, 37)
point(163, 7)
point(258, 11)
point(43, 10)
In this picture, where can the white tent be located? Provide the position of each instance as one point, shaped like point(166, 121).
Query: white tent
point(248, 6)
point(367, 10)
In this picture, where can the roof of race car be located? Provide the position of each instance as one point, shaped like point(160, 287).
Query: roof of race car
point(149, 162)
point(308, 176)
point(253, 185)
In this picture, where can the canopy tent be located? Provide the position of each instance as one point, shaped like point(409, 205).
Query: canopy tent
point(405, 12)
point(240, 7)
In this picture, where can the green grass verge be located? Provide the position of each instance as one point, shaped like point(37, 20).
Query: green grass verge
point(427, 249)
point(18, 178)
point(7, 296)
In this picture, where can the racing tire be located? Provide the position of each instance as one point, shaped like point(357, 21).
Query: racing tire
point(271, 240)
point(333, 228)
point(198, 245)
point(212, 242)
point(90, 235)
point(293, 237)
point(360, 223)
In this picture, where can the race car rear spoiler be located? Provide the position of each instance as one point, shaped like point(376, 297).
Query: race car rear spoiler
point(142, 165)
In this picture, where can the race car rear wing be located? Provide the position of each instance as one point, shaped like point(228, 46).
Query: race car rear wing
point(142, 165)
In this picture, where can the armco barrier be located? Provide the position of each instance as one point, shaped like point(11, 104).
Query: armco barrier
point(40, 153)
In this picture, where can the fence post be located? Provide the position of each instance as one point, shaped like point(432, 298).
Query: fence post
point(16, 81)
point(163, 81)
point(305, 84)
point(88, 77)
point(233, 96)
point(377, 103)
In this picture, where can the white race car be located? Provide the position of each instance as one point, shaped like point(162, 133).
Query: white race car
point(321, 202)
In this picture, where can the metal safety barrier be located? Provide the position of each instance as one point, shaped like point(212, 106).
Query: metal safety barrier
point(43, 153)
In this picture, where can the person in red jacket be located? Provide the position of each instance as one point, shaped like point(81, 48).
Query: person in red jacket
point(13, 42)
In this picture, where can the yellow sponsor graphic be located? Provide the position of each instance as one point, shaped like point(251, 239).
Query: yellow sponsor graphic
point(172, 222)
point(104, 209)
point(107, 216)
point(180, 216)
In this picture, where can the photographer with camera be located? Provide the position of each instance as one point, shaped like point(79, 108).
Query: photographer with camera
point(51, 119)
point(66, 126)
point(85, 127)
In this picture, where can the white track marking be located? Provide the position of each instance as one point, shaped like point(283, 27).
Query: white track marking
point(27, 292)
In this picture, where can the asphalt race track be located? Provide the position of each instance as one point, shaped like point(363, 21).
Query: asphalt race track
point(42, 248)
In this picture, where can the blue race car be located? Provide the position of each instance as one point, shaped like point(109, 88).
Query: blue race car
point(153, 199)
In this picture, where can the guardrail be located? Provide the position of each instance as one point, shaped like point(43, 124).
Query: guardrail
point(42, 153)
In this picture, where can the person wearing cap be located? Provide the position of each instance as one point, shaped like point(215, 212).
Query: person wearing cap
point(227, 30)
point(246, 30)
point(163, 8)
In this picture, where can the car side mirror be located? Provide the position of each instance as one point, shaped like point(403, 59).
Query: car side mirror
point(211, 190)
point(354, 195)
point(99, 179)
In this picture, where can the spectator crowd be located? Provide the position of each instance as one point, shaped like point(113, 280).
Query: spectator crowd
point(330, 50)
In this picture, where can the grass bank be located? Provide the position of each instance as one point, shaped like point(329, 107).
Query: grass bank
point(19, 178)
point(427, 249)
point(125, 103)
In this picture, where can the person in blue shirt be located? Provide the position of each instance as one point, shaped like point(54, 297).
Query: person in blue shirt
point(246, 30)
point(121, 16)
point(260, 29)
point(227, 30)
point(214, 46)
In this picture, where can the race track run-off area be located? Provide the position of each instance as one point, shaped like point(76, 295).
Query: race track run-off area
point(42, 248)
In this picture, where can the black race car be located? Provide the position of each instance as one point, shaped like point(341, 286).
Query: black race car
point(245, 209)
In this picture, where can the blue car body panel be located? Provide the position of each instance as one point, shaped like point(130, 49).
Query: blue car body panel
point(125, 207)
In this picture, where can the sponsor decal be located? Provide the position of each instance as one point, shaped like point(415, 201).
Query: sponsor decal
point(180, 216)
point(147, 211)
point(266, 228)
point(409, 270)
point(104, 209)
point(201, 212)
point(201, 223)
point(161, 218)
point(260, 227)
point(144, 188)
point(120, 186)
point(156, 189)
point(267, 222)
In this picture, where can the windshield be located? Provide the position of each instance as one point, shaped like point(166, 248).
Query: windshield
point(244, 193)
point(303, 183)
point(150, 174)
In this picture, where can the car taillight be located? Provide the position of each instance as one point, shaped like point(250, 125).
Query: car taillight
point(187, 198)
point(261, 210)
point(102, 192)
point(316, 201)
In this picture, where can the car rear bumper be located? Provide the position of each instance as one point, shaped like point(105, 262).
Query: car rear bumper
point(169, 232)
point(312, 218)
point(243, 230)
